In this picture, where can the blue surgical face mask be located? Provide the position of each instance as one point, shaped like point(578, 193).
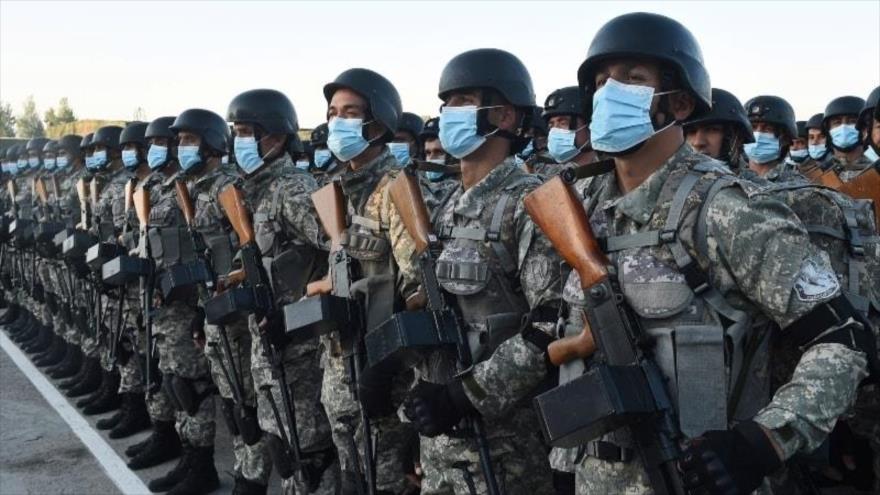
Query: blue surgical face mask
point(622, 116)
point(871, 155)
point(345, 138)
point(157, 156)
point(560, 144)
point(130, 158)
point(764, 149)
point(323, 157)
point(400, 152)
point(459, 135)
point(817, 151)
point(435, 175)
point(49, 164)
point(22, 163)
point(844, 136)
point(33, 162)
point(99, 159)
point(188, 156)
point(798, 156)
point(61, 162)
point(302, 164)
point(247, 154)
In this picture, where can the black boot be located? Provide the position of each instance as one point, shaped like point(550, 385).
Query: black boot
point(10, 315)
point(90, 381)
point(201, 477)
point(135, 417)
point(136, 448)
point(78, 375)
point(164, 445)
point(69, 366)
point(109, 399)
point(42, 342)
point(54, 356)
point(20, 329)
point(96, 394)
point(176, 475)
point(244, 486)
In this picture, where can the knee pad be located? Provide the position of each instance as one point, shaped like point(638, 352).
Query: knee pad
point(248, 424)
point(280, 457)
point(227, 407)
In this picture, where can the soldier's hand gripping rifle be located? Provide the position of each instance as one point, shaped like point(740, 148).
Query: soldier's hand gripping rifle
point(141, 199)
point(624, 387)
point(445, 328)
point(257, 282)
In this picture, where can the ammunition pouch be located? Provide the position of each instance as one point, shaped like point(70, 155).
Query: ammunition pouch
point(74, 250)
point(178, 282)
point(603, 399)
point(101, 253)
point(280, 457)
point(22, 232)
point(125, 269)
point(183, 393)
point(248, 424)
point(227, 407)
point(236, 303)
point(317, 315)
point(400, 341)
point(38, 292)
point(44, 237)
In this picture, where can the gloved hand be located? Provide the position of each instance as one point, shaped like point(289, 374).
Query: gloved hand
point(435, 409)
point(728, 462)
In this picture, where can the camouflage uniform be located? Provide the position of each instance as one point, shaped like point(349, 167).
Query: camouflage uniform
point(251, 462)
point(848, 170)
point(70, 213)
point(175, 321)
point(543, 164)
point(326, 175)
point(378, 241)
point(781, 172)
point(765, 234)
point(523, 277)
point(289, 238)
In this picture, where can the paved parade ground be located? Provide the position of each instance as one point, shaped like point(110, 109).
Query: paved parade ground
point(48, 447)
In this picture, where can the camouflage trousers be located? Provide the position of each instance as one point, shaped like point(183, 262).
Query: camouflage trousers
point(390, 435)
point(865, 422)
point(159, 407)
point(180, 356)
point(301, 364)
point(451, 465)
point(250, 461)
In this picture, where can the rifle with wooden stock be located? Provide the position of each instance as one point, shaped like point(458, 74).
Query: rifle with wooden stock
point(444, 327)
point(624, 386)
point(866, 185)
point(141, 200)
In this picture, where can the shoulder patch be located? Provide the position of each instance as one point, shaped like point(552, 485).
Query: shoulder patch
point(814, 282)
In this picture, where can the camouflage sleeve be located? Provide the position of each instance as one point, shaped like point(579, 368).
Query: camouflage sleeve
point(403, 247)
point(518, 366)
point(299, 212)
point(804, 410)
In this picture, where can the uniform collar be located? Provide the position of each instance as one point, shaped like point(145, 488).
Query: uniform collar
point(353, 181)
point(471, 202)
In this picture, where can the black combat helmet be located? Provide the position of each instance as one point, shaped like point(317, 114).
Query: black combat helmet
point(801, 129)
point(267, 108)
point(568, 101)
point(726, 109)
point(12, 152)
point(36, 144)
point(108, 136)
point(160, 128)
point(134, 133)
point(86, 142)
point(652, 36)
point(431, 130)
point(318, 137)
point(207, 124)
point(381, 95)
point(868, 109)
point(50, 147)
point(489, 68)
point(411, 123)
point(772, 110)
point(843, 105)
point(815, 122)
point(71, 144)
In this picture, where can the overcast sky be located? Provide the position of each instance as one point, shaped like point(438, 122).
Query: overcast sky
point(110, 58)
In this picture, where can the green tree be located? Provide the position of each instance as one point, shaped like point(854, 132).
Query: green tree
point(62, 115)
point(7, 120)
point(28, 123)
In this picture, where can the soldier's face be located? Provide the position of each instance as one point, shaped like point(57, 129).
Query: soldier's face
point(815, 137)
point(159, 141)
point(680, 104)
point(130, 146)
point(243, 130)
point(799, 144)
point(839, 120)
point(347, 104)
point(765, 127)
point(875, 132)
point(499, 115)
point(433, 149)
point(706, 139)
point(405, 137)
point(564, 122)
point(186, 138)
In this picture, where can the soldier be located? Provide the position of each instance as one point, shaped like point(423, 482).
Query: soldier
point(774, 127)
point(536, 157)
point(752, 260)
point(568, 142)
point(163, 443)
point(869, 126)
point(499, 272)
point(840, 120)
point(325, 165)
point(363, 111)
point(817, 145)
point(721, 132)
point(289, 239)
point(798, 152)
point(406, 144)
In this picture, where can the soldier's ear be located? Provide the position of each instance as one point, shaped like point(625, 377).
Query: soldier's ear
point(682, 104)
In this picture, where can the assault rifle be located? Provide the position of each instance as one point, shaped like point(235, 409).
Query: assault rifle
point(141, 199)
point(866, 185)
point(624, 387)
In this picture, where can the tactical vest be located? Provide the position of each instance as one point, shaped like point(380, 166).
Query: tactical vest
point(218, 237)
point(478, 265)
point(169, 240)
point(288, 261)
point(714, 356)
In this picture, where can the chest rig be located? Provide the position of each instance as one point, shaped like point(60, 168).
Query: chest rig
point(714, 356)
point(170, 243)
point(212, 224)
point(478, 265)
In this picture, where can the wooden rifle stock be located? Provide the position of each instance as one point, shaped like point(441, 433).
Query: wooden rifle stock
point(141, 199)
point(407, 198)
point(94, 191)
point(10, 188)
point(184, 201)
point(231, 200)
point(330, 205)
point(40, 190)
point(580, 346)
point(866, 185)
point(82, 192)
point(129, 197)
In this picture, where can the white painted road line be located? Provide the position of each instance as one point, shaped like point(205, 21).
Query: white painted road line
point(113, 465)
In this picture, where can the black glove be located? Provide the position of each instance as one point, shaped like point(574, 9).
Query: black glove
point(435, 409)
point(728, 462)
point(374, 392)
